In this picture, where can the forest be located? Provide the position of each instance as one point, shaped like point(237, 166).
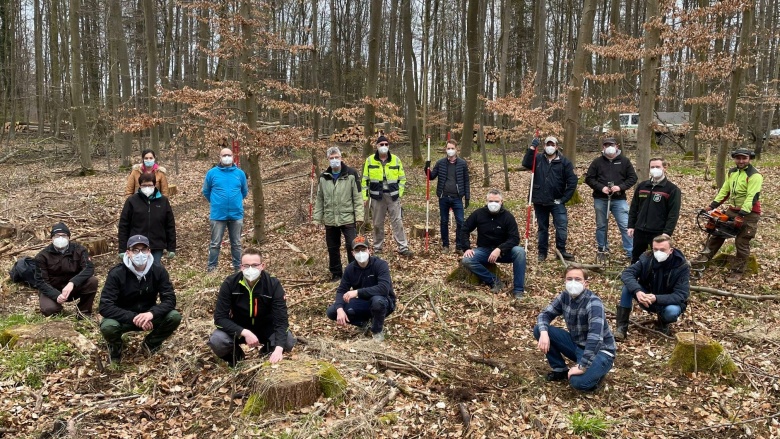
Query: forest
point(87, 85)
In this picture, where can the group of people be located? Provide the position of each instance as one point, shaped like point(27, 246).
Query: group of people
point(251, 309)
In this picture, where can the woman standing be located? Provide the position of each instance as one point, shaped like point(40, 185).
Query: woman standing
point(148, 213)
point(149, 166)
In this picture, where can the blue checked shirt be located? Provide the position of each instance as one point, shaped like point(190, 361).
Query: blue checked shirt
point(585, 320)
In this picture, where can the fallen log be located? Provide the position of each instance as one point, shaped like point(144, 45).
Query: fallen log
point(717, 292)
point(303, 258)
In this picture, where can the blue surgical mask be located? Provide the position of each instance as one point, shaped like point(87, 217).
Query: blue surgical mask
point(148, 163)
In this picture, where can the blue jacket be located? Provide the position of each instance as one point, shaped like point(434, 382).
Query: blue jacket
point(553, 180)
point(225, 188)
point(461, 177)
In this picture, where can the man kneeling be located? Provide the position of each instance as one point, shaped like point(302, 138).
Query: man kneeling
point(588, 340)
point(251, 309)
point(660, 283)
point(365, 292)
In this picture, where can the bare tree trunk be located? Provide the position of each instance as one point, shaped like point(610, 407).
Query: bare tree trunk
point(372, 75)
point(412, 123)
point(55, 95)
point(572, 119)
point(473, 28)
point(121, 66)
point(204, 35)
point(503, 81)
point(77, 91)
point(647, 90)
point(39, 66)
point(540, 27)
point(150, 29)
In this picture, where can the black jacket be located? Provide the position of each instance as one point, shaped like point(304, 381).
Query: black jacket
point(553, 179)
point(148, 216)
point(261, 309)
point(373, 280)
point(124, 296)
point(497, 230)
point(668, 280)
point(56, 269)
point(655, 208)
point(461, 177)
point(618, 170)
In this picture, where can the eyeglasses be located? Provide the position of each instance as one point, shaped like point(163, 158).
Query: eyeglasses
point(147, 185)
point(251, 265)
point(384, 144)
point(135, 251)
point(609, 144)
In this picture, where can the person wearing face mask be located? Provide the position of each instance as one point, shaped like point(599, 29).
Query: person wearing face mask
point(659, 281)
point(587, 339)
point(451, 188)
point(498, 240)
point(554, 185)
point(742, 190)
point(365, 296)
point(65, 273)
point(615, 168)
point(251, 310)
point(384, 181)
point(148, 213)
point(129, 300)
point(339, 207)
point(654, 209)
point(225, 188)
point(148, 166)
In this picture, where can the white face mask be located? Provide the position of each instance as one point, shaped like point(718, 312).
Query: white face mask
point(549, 150)
point(227, 160)
point(451, 153)
point(251, 273)
point(656, 173)
point(140, 259)
point(493, 206)
point(383, 150)
point(660, 256)
point(361, 257)
point(574, 288)
point(610, 150)
point(60, 242)
point(335, 163)
point(148, 191)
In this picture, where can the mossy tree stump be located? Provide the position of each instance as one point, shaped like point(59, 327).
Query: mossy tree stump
point(7, 231)
point(418, 231)
point(293, 384)
point(96, 246)
point(59, 331)
point(700, 353)
point(725, 260)
point(462, 274)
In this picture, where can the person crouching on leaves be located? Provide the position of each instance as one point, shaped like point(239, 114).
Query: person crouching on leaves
point(588, 341)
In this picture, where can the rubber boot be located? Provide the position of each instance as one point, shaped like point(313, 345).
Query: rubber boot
point(621, 323)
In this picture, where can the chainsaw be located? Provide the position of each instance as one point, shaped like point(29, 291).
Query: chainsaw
point(716, 223)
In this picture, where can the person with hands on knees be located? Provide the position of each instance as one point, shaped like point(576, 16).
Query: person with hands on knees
point(554, 185)
point(452, 187)
point(365, 296)
point(65, 273)
point(129, 300)
point(251, 309)
point(148, 213)
point(742, 190)
point(587, 339)
point(498, 240)
point(660, 283)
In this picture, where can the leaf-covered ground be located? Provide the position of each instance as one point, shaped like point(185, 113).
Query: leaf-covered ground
point(451, 348)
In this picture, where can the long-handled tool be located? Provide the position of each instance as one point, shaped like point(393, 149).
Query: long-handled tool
point(311, 192)
point(603, 254)
point(529, 207)
point(427, 194)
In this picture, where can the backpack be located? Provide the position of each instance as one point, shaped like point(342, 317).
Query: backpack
point(24, 271)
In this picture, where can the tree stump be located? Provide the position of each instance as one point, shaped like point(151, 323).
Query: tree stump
point(96, 246)
point(7, 231)
point(60, 331)
point(172, 190)
point(418, 231)
point(702, 355)
point(462, 274)
point(293, 384)
point(725, 260)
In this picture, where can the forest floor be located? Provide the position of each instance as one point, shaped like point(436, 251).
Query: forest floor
point(450, 346)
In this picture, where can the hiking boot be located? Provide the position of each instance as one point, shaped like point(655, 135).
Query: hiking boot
point(379, 337)
point(498, 286)
point(662, 327)
point(557, 376)
point(518, 294)
point(541, 258)
point(445, 249)
point(149, 349)
point(735, 276)
point(335, 277)
point(406, 252)
point(377, 251)
point(567, 256)
point(115, 353)
point(621, 323)
point(701, 259)
point(234, 357)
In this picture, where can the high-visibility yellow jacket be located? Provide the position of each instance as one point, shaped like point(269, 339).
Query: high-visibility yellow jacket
point(742, 189)
point(375, 174)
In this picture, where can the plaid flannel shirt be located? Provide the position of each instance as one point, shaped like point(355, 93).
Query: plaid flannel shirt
point(586, 322)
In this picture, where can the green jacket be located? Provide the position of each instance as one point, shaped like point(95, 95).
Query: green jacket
point(742, 189)
point(338, 202)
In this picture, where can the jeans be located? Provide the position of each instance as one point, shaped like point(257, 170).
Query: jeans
point(157, 255)
point(560, 221)
point(217, 232)
point(666, 313)
point(477, 265)
point(360, 311)
point(112, 330)
point(456, 203)
point(562, 344)
point(333, 242)
point(619, 209)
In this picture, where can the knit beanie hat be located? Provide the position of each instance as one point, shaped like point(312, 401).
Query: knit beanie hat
point(382, 138)
point(59, 228)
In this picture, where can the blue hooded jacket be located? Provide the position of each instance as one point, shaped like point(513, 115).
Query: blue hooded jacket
point(225, 188)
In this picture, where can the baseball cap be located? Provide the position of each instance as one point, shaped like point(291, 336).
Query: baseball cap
point(137, 239)
point(552, 139)
point(359, 241)
point(609, 140)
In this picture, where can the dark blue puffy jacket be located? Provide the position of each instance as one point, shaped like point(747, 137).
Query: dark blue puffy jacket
point(553, 179)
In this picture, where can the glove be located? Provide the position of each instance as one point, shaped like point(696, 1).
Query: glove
point(534, 143)
point(739, 221)
point(557, 201)
point(467, 204)
point(121, 257)
point(427, 166)
point(171, 255)
point(713, 205)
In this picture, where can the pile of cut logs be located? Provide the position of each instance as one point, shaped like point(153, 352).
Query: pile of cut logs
point(353, 134)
